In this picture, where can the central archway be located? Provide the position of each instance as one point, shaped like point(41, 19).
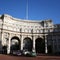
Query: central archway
point(15, 43)
point(40, 45)
point(27, 44)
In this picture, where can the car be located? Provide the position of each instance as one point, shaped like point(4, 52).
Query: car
point(16, 53)
point(26, 52)
point(29, 53)
point(19, 53)
point(33, 54)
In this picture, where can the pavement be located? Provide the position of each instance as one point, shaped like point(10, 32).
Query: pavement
point(9, 57)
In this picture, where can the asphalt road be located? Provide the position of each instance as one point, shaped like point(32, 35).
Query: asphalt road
point(8, 57)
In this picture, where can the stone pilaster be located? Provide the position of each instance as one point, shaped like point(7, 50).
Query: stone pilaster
point(46, 50)
point(9, 44)
point(33, 38)
point(21, 42)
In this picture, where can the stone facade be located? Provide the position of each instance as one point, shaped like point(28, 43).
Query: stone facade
point(13, 30)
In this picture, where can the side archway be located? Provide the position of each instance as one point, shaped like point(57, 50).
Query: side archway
point(15, 43)
point(27, 44)
point(40, 45)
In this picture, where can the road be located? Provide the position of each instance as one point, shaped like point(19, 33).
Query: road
point(8, 57)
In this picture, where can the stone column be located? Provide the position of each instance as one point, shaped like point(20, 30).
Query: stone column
point(21, 42)
point(46, 50)
point(9, 43)
point(33, 38)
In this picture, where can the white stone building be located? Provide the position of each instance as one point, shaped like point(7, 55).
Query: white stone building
point(19, 34)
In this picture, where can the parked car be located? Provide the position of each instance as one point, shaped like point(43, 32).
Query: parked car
point(29, 53)
point(16, 53)
point(33, 54)
point(25, 52)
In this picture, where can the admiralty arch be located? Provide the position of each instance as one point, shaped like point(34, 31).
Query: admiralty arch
point(19, 34)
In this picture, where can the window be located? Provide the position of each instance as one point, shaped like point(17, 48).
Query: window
point(41, 31)
point(37, 31)
point(35, 26)
point(29, 31)
point(26, 30)
point(46, 24)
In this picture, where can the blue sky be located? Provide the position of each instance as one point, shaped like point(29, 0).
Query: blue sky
point(38, 9)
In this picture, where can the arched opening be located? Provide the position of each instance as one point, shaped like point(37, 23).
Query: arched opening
point(15, 43)
point(4, 51)
point(40, 45)
point(27, 44)
point(49, 49)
